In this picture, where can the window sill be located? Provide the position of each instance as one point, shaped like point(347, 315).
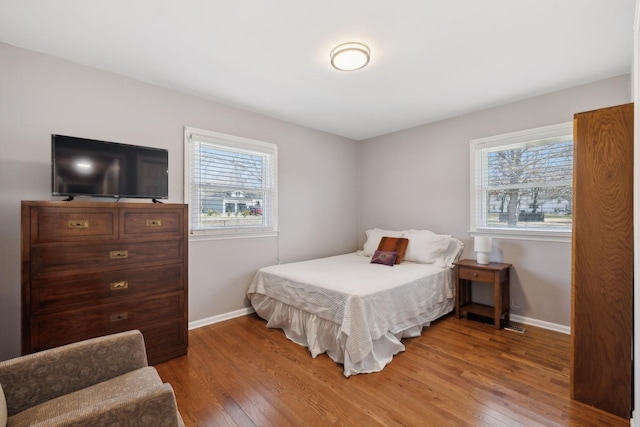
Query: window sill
point(540, 236)
point(226, 236)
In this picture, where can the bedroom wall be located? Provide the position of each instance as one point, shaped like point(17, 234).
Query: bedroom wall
point(40, 95)
point(419, 178)
point(393, 181)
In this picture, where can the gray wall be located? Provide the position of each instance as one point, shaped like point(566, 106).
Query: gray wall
point(331, 189)
point(419, 178)
point(41, 95)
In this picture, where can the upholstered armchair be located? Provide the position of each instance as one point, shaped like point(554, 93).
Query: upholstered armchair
point(98, 382)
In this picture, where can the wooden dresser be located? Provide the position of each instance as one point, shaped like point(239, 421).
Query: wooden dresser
point(91, 269)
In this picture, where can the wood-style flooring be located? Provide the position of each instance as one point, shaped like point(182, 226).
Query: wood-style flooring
point(458, 373)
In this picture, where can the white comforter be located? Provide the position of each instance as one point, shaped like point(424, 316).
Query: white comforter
point(363, 308)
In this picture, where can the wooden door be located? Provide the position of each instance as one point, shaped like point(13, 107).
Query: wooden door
point(602, 259)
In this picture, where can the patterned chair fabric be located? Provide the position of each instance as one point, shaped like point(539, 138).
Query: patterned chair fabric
point(101, 381)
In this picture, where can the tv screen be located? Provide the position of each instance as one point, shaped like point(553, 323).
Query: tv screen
point(87, 167)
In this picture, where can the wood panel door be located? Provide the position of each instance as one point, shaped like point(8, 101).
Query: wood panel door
point(602, 259)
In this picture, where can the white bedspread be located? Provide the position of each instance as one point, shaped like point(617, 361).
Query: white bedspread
point(371, 306)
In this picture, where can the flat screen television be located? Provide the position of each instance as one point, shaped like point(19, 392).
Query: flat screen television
point(88, 167)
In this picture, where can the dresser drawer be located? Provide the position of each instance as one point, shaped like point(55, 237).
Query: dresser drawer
point(78, 258)
point(51, 330)
point(82, 290)
point(138, 223)
point(475, 274)
point(69, 224)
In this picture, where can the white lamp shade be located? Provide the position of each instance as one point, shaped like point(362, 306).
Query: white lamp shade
point(482, 244)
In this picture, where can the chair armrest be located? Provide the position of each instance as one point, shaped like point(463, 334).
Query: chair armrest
point(154, 406)
point(34, 378)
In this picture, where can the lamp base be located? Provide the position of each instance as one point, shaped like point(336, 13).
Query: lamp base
point(482, 257)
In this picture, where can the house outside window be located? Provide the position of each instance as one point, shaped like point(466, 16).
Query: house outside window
point(522, 184)
point(230, 184)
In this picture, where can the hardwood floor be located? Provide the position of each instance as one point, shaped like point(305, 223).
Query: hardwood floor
point(458, 373)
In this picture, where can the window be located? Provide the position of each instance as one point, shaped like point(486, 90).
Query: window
point(230, 185)
point(522, 183)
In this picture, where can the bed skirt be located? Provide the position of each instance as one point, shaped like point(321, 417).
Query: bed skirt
point(324, 336)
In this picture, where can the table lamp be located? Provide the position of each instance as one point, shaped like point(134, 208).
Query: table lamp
point(482, 246)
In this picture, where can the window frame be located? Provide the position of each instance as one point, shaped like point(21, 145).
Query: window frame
point(504, 140)
point(233, 143)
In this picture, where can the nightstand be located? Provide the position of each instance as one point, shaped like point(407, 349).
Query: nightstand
point(495, 273)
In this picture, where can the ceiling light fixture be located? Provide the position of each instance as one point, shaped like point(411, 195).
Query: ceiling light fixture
point(350, 56)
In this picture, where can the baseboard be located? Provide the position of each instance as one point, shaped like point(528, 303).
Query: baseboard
point(249, 310)
point(220, 318)
point(540, 324)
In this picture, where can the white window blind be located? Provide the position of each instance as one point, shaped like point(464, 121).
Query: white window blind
point(231, 184)
point(523, 181)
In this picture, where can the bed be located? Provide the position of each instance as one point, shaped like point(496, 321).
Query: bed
point(357, 311)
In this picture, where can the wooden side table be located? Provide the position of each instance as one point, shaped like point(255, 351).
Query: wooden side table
point(469, 271)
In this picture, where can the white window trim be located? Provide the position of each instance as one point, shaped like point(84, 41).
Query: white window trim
point(504, 140)
point(235, 142)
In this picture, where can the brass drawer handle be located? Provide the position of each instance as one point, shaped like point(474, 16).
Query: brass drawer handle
point(154, 223)
point(119, 285)
point(475, 274)
point(118, 254)
point(119, 316)
point(78, 223)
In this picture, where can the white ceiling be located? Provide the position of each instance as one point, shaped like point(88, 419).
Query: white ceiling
point(430, 59)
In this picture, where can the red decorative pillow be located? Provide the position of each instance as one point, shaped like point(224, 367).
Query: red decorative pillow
point(384, 258)
point(394, 244)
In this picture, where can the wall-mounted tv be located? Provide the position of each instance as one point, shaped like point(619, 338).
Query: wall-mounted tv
point(88, 167)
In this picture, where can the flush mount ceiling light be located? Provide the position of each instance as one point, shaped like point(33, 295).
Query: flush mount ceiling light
point(350, 56)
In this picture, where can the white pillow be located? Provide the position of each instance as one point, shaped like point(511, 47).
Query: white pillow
point(426, 247)
point(453, 252)
point(373, 239)
point(413, 230)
